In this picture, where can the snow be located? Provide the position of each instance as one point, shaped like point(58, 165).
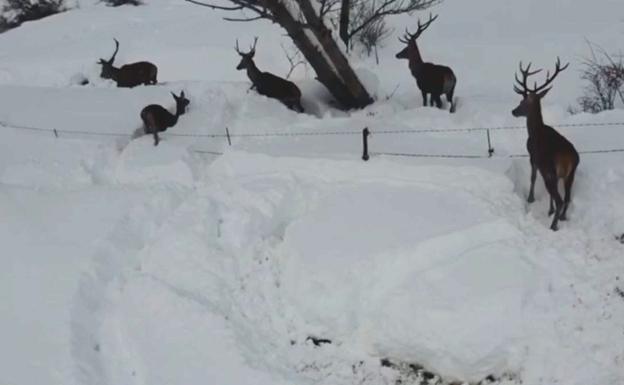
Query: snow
point(125, 263)
point(139, 164)
point(443, 264)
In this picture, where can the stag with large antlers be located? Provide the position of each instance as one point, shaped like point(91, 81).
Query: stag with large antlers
point(431, 78)
point(550, 153)
point(268, 84)
point(128, 75)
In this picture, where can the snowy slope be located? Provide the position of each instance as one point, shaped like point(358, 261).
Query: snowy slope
point(125, 263)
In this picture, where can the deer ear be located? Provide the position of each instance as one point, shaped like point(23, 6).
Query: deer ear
point(182, 94)
point(543, 93)
point(174, 96)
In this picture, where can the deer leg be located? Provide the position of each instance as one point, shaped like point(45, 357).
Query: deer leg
point(156, 138)
point(551, 208)
point(531, 197)
point(551, 186)
point(449, 98)
point(424, 96)
point(438, 100)
point(568, 195)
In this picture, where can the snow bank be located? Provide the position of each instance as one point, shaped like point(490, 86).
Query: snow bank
point(413, 269)
point(363, 255)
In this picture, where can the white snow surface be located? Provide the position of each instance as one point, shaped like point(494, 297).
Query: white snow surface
point(125, 263)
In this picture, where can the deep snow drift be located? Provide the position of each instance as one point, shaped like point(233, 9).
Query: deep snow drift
point(129, 264)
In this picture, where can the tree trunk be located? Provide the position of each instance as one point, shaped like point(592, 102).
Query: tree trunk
point(345, 9)
point(361, 98)
point(324, 69)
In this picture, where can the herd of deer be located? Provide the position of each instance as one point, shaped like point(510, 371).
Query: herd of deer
point(549, 152)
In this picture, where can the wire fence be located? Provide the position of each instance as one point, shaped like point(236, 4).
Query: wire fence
point(227, 135)
point(57, 132)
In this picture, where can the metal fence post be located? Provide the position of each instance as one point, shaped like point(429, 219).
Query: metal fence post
point(227, 133)
point(365, 134)
point(490, 148)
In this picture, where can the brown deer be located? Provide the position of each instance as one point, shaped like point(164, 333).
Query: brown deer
point(431, 78)
point(268, 84)
point(549, 152)
point(128, 75)
point(157, 119)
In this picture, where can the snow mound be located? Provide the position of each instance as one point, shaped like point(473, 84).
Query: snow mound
point(421, 272)
point(142, 162)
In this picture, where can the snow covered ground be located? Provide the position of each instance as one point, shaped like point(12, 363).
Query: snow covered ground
point(128, 264)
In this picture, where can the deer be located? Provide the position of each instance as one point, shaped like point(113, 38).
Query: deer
point(431, 78)
point(128, 75)
point(157, 119)
point(268, 84)
point(549, 152)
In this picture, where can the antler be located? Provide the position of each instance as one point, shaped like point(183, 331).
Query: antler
point(526, 73)
point(421, 28)
point(406, 37)
point(253, 48)
point(523, 83)
point(237, 49)
point(549, 79)
point(112, 59)
point(252, 51)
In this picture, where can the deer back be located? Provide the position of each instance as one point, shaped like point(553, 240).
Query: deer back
point(134, 74)
point(156, 118)
point(434, 78)
point(276, 87)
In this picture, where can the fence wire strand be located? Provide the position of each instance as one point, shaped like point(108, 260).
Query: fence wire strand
point(422, 155)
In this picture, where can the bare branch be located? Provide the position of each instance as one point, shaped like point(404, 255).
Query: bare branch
point(212, 6)
point(389, 8)
point(327, 6)
point(239, 5)
point(253, 18)
point(295, 60)
point(605, 78)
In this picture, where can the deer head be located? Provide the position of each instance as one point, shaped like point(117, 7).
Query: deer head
point(531, 97)
point(181, 103)
point(246, 58)
point(410, 38)
point(108, 70)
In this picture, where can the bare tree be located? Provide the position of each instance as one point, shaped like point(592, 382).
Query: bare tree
point(305, 26)
point(305, 21)
point(604, 75)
